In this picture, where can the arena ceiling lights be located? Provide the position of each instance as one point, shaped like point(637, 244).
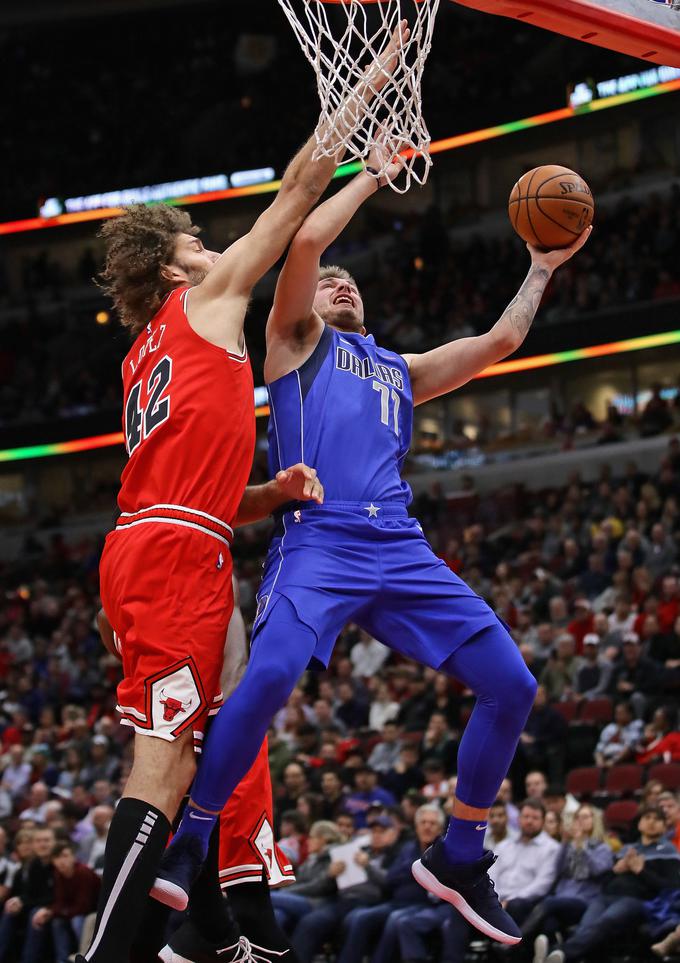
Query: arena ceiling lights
point(449, 143)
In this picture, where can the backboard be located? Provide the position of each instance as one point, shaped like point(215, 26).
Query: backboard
point(648, 29)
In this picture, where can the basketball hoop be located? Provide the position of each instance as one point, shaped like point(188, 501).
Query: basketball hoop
point(342, 40)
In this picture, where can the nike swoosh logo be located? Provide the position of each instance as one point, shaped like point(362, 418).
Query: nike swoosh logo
point(480, 829)
point(205, 819)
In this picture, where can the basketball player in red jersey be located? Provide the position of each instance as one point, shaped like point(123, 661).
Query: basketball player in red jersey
point(190, 431)
point(250, 862)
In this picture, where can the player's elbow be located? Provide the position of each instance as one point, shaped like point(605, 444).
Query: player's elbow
point(505, 342)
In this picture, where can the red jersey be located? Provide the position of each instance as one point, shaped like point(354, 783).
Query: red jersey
point(189, 424)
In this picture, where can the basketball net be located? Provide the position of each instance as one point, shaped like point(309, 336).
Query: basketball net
point(341, 39)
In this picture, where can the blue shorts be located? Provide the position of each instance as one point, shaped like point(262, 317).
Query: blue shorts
point(337, 563)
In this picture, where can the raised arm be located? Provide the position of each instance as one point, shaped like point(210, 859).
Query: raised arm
point(292, 314)
point(443, 369)
point(247, 260)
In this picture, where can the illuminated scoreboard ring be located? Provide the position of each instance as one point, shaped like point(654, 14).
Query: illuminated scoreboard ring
point(648, 29)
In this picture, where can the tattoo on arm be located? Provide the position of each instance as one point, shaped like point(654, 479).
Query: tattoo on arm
point(522, 309)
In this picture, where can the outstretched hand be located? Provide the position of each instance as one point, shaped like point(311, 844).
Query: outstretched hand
point(300, 484)
point(382, 69)
point(384, 154)
point(551, 260)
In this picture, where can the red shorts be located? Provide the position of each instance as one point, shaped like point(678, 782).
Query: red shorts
point(168, 595)
point(246, 835)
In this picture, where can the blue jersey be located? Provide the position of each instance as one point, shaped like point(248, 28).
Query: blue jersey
point(348, 412)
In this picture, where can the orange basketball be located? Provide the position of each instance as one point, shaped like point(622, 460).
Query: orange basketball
point(551, 206)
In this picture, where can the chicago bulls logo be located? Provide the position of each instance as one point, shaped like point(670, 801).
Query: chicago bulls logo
point(171, 707)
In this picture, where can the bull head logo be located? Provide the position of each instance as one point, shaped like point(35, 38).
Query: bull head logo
point(171, 707)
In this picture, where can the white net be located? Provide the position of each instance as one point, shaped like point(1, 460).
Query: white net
point(345, 42)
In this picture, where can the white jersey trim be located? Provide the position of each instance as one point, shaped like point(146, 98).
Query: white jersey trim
point(172, 521)
point(180, 508)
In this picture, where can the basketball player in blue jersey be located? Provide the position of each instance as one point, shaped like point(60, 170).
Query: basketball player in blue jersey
point(345, 405)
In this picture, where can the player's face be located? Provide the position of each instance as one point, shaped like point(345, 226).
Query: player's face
point(192, 261)
point(339, 303)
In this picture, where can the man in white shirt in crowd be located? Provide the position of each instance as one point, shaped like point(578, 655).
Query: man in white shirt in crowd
point(523, 874)
point(367, 656)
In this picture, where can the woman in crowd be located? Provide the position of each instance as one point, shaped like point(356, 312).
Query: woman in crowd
point(584, 860)
point(313, 883)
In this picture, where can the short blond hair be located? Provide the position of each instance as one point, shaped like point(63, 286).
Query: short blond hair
point(333, 271)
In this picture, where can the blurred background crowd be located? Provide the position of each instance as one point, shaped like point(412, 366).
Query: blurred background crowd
point(552, 488)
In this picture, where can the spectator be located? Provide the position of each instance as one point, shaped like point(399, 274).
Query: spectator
point(7, 868)
point(523, 874)
point(542, 743)
point(661, 552)
point(553, 825)
point(318, 925)
point(383, 708)
point(368, 656)
point(438, 743)
point(505, 795)
point(16, 774)
point(641, 872)
point(594, 673)
point(498, 827)
point(443, 701)
point(406, 775)
point(582, 865)
point(404, 898)
point(91, 851)
point(583, 620)
point(618, 738)
point(666, 648)
point(536, 785)
point(635, 677)
point(313, 883)
point(333, 794)
point(366, 792)
point(663, 743)
point(295, 784)
point(385, 754)
point(437, 787)
point(76, 889)
point(351, 711)
point(294, 840)
point(38, 799)
point(670, 804)
point(559, 676)
point(32, 890)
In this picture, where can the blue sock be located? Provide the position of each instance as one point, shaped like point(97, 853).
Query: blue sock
point(464, 840)
point(198, 824)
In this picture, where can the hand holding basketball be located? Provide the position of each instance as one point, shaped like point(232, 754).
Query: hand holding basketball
point(550, 207)
point(553, 259)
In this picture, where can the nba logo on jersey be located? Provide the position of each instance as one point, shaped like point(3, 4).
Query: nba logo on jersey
point(220, 561)
point(297, 515)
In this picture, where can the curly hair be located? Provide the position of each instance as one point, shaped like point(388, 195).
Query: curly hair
point(138, 244)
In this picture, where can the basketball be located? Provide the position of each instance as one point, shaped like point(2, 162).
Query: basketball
point(551, 206)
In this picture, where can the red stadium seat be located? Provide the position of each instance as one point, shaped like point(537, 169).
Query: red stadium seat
point(600, 711)
point(623, 780)
point(621, 815)
point(584, 781)
point(566, 709)
point(668, 774)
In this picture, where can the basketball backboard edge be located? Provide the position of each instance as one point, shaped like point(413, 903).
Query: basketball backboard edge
point(647, 29)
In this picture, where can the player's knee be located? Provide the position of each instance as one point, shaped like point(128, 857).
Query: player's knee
point(276, 681)
point(521, 690)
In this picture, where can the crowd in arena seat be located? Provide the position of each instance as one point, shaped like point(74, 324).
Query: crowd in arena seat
point(588, 579)
point(425, 291)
